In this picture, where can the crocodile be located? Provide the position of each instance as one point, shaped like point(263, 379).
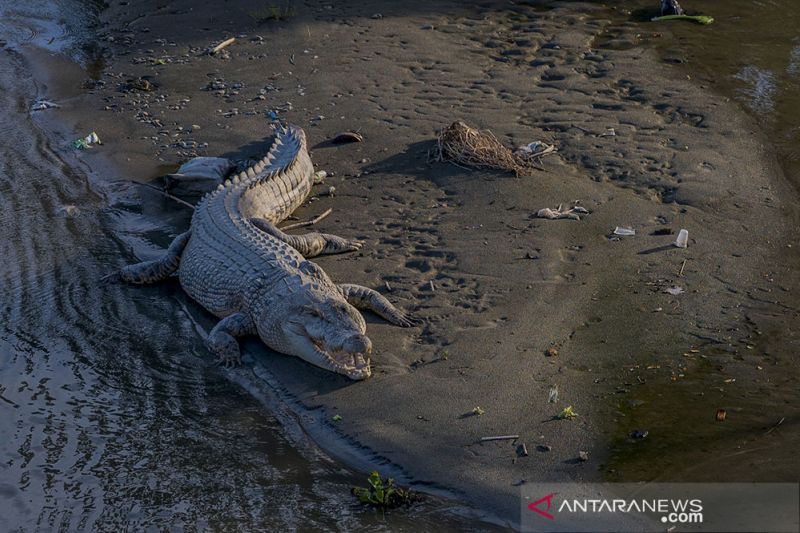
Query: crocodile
point(237, 264)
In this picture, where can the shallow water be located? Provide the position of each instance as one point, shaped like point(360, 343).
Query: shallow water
point(111, 414)
point(751, 53)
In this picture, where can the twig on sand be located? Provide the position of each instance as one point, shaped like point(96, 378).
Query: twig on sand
point(308, 222)
point(500, 437)
point(682, 267)
point(775, 425)
point(165, 193)
point(223, 44)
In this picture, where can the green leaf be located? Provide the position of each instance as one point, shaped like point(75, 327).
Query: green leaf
point(700, 19)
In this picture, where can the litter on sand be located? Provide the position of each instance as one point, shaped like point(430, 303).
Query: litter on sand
point(220, 46)
point(700, 19)
point(535, 149)
point(572, 213)
point(674, 290)
point(552, 396)
point(199, 175)
point(500, 437)
point(624, 232)
point(87, 142)
point(41, 105)
point(466, 146)
point(683, 239)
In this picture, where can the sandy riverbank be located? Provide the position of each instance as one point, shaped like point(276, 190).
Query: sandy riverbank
point(508, 286)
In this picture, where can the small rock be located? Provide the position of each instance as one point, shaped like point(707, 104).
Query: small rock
point(551, 352)
point(544, 448)
point(583, 456)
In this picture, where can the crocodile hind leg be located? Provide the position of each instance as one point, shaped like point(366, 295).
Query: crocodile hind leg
point(158, 269)
point(310, 244)
point(222, 339)
point(366, 298)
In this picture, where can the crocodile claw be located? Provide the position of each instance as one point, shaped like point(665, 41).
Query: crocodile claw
point(229, 360)
point(114, 277)
point(408, 321)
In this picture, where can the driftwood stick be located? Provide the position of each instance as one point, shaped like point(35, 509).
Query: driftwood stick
point(308, 222)
point(223, 44)
point(165, 193)
point(500, 437)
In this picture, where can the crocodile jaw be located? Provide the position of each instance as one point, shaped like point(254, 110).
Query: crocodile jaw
point(316, 351)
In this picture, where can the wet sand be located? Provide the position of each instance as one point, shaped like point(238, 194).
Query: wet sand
point(462, 249)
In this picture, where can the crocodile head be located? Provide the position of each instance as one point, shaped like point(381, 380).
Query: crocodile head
point(324, 331)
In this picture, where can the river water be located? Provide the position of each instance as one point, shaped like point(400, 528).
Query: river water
point(104, 424)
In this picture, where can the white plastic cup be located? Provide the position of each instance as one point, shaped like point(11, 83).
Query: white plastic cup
point(683, 239)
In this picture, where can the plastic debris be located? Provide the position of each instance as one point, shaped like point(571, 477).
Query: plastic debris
point(639, 434)
point(571, 213)
point(700, 19)
point(674, 290)
point(552, 396)
point(68, 211)
point(319, 176)
point(671, 7)
point(87, 142)
point(336, 418)
point(199, 175)
point(535, 149)
point(683, 239)
point(41, 105)
point(522, 450)
point(477, 411)
point(583, 456)
point(624, 232)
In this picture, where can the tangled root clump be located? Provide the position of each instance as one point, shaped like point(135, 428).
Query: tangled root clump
point(466, 146)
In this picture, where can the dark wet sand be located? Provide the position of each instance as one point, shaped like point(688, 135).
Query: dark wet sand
point(463, 250)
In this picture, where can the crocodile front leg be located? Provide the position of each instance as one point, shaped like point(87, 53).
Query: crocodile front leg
point(158, 269)
point(310, 244)
point(222, 339)
point(366, 298)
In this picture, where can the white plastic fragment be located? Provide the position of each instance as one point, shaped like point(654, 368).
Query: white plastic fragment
point(320, 176)
point(683, 239)
point(87, 142)
point(552, 396)
point(624, 232)
point(41, 105)
point(674, 290)
point(199, 175)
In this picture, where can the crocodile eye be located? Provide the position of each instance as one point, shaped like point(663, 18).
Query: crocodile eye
point(313, 311)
